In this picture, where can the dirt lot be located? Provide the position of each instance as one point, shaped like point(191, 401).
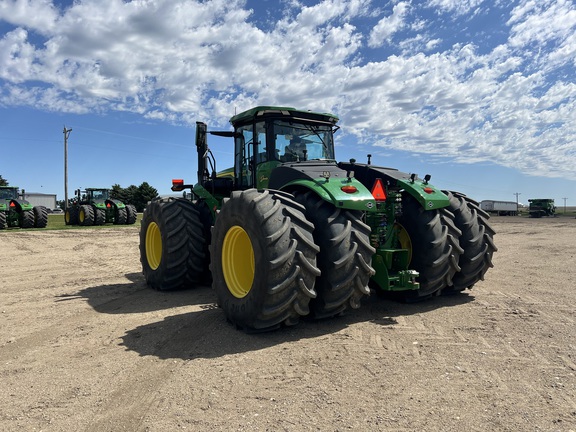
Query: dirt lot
point(85, 345)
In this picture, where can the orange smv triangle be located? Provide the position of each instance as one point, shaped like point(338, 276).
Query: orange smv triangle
point(378, 191)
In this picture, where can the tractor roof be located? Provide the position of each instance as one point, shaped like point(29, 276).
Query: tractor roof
point(288, 112)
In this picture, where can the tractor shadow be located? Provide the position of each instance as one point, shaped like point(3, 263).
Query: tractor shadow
point(136, 297)
point(207, 334)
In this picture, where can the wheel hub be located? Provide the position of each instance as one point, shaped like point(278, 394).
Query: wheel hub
point(238, 261)
point(153, 245)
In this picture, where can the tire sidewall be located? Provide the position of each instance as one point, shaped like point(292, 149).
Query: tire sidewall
point(153, 213)
point(242, 310)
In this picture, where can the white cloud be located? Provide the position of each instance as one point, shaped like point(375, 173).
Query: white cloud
point(182, 61)
point(37, 15)
point(387, 26)
point(458, 7)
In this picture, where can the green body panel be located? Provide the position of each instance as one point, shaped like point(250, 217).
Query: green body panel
point(330, 190)
point(431, 200)
point(212, 201)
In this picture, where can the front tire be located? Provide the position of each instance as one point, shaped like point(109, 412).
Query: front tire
point(345, 255)
point(171, 245)
point(86, 215)
point(263, 260)
point(71, 216)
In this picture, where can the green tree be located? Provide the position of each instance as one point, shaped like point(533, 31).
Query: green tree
point(136, 195)
point(3, 182)
point(144, 194)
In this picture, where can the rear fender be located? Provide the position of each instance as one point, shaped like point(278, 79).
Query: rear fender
point(115, 203)
point(331, 190)
point(429, 197)
point(19, 205)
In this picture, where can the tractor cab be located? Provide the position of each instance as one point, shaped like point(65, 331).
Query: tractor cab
point(97, 194)
point(266, 137)
point(8, 193)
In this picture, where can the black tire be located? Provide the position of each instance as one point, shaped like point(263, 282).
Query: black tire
point(263, 260)
point(2, 220)
point(71, 216)
point(40, 216)
point(477, 242)
point(171, 245)
point(207, 222)
point(86, 215)
point(99, 216)
point(434, 246)
point(27, 219)
point(131, 214)
point(120, 216)
point(345, 255)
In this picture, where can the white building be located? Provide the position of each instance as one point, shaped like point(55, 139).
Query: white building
point(41, 199)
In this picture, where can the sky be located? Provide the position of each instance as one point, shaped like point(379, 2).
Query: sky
point(480, 94)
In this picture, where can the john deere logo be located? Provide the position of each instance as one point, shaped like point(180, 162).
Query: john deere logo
point(369, 205)
point(430, 204)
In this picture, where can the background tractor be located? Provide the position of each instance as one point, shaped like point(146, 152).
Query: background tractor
point(95, 207)
point(16, 212)
point(539, 207)
point(288, 231)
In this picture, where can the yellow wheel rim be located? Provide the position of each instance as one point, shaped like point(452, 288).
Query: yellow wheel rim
point(67, 217)
point(82, 216)
point(404, 239)
point(238, 262)
point(153, 246)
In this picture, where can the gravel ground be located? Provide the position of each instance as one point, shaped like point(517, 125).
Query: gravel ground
point(85, 345)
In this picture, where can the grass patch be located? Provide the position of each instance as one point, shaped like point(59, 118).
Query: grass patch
point(56, 222)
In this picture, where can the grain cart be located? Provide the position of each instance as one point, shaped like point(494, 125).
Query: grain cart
point(16, 212)
point(541, 207)
point(289, 231)
point(95, 207)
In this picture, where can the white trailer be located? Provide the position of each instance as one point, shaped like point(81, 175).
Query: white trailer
point(501, 208)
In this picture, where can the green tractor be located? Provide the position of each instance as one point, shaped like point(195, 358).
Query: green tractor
point(95, 207)
point(16, 212)
point(289, 232)
point(539, 207)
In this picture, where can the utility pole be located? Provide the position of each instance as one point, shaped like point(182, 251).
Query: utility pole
point(517, 194)
point(564, 204)
point(66, 134)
